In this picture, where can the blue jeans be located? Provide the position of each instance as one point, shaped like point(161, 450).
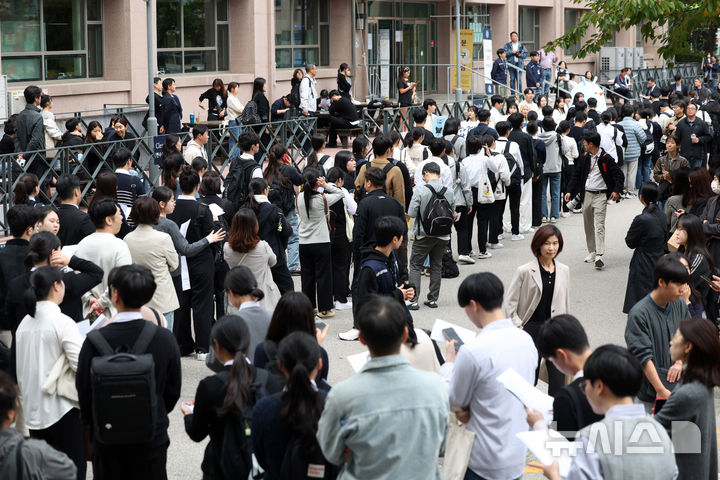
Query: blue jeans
point(293, 248)
point(234, 132)
point(515, 80)
point(470, 475)
point(554, 179)
point(169, 319)
point(547, 78)
point(643, 171)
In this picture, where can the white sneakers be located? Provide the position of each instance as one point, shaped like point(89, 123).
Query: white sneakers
point(496, 245)
point(599, 264)
point(518, 237)
point(349, 336)
point(590, 258)
point(343, 306)
point(466, 259)
point(564, 214)
point(484, 255)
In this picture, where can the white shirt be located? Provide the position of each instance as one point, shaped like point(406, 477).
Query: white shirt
point(532, 106)
point(40, 341)
point(234, 107)
point(478, 164)
point(595, 180)
point(123, 317)
point(446, 175)
point(570, 149)
point(496, 415)
point(610, 136)
point(107, 252)
point(495, 117)
point(308, 94)
point(257, 173)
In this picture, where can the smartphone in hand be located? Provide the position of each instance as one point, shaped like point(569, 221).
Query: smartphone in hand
point(659, 402)
point(320, 325)
point(451, 334)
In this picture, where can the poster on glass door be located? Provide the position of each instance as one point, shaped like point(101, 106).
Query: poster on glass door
point(384, 61)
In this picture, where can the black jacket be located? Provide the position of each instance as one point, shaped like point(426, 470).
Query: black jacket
point(366, 283)
point(158, 109)
point(611, 174)
point(344, 109)
point(672, 87)
point(376, 204)
point(282, 191)
point(344, 86)
point(648, 236)
point(684, 131)
point(168, 378)
point(527, 151)
point(12, 265)
point(263, 107)
point(70, 140)
point(572, 411)
point(201, 224)
point(427, 139)
point(274, 229)
point(74, 224)
point(278, 104)
point(171, 113)
point(483, 129)
point(7, 144)
point(653, 92)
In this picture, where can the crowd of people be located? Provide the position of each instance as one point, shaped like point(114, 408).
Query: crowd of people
point(97, 307)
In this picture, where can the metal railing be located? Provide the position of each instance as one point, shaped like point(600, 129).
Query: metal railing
point(88, 160)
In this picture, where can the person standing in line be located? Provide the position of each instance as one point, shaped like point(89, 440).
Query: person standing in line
point(539, 290)
point(30, 131)
point(694, 134)
point(234, 111)
point(499, 73)
point(510, 218)
point(394, 181)
point(552, 170)
point(691, 240)
point(635, 139)
point(547, 62)
point(314, 232)
point(341, 213)
point(172, 111)
point(196, 146)
point(697, 346)
point(42, 337)
point(406, 89)
point(308, 91)
point(52, 132)
point(651, 323)
point(516, 55)
point(490, 411)
point(534, 74)
point(527, 153)
point(599, 179)
point(665, 165)
point(368, 418)
point(216, 97)
point(540, 157)
point(157, 98)
point(647, 236)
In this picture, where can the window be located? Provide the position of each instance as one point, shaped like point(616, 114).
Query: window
point(476, 18)
point(51, 39)
point(192, 36)
point(571, 20)
point(302, 33)
point(529, 28)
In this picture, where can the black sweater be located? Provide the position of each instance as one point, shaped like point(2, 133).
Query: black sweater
point(344, 109)
point(376, 204)
point(572, 411)
point(527, 151)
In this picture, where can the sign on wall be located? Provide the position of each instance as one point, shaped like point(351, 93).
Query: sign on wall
point(487, 59)
point(466, 56)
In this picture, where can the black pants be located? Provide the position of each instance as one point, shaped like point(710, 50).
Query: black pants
point(199, 299)
point(340, 251)
point(555, 377)
point(564, 181)
point(496, 220)
point(537, 202)
point(316, 274)
point(282, 278)
point(67, 435)
point(513, 196)
point(123, 462)
point(484, 213)
point(337, 123)
point(463, 227)
point(219, 289)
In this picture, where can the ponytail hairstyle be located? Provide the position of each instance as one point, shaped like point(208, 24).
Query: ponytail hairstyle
point(311, 176)
point(317, 142)
point(415, 135)
point(241, 281)
point(298, 355)
point(257, 186)
point(41, 282)
point(189, 179)
point(42, 244)
point(232, 334)
point(274, 163)
point(25, 186)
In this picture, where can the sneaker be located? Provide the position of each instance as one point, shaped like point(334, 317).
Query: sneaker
point(482, 255)
point(544, 220)
point(631, 195)
point(472, 253)
point(496, 245)
point(349, 336)
point(529, 230)
point(426, 272)
point(590, 258)
point(501, 236)
point(326, 314)
point(343, 306)
point(577, 210)
point(553, 220)
point(599, 264)
point(564, 214)
point(518, 237)
point(430, 303)
point(413, 306)
point(466, 259)
point(200, 356)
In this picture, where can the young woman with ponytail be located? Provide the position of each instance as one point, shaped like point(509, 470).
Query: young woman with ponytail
point(228, 393)
point(27, 190)
point(292, 417)
point(43, 251)
point(42, 338)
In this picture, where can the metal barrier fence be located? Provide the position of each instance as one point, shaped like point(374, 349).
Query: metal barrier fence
point(88, 160)
point(662, 76)
point(382, 121)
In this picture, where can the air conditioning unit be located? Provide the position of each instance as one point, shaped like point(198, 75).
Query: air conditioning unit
point(639, 58)
point(629, 57)
point(3, 99)
point(15, 101)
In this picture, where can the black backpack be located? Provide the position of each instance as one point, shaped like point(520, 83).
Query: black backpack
point(124, 399)
point(302, 462)
point(250, 115)
point(449, 267)
point(321, 164)
point(516, 176)
point(437, 219)
point(236, 451)
point(237, 182)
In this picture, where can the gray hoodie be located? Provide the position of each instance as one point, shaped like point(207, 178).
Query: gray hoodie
point(553, 161)
point(39, 460)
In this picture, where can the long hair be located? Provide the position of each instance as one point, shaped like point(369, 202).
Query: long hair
point(274, 162)
point(293, 312)
point(243, 235)
point(92, 126)
point(700, 181)
point(106, 185)
point(414, 136)
point(41, 281)
point(702, 362)
point(25, 186)
point(241, 281)
point(311, 176)
point(171, 165)
point(317, 142)
point(341, 160)
point(170, 145)
point(695, 244)
point(258, 85)
point(219, 83)
point(298, 354)
point(232, 334)
point(257, 186)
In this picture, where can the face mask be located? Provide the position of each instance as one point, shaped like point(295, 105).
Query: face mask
point(715, 187)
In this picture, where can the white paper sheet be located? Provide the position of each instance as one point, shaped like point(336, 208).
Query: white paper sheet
point(85, 327)
point(216, 210)
point(465, 334)
point(184, 272)
point(530, 396)
point(548, 445)
point(358, 360)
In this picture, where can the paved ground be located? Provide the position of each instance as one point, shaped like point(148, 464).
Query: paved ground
point(596, 299)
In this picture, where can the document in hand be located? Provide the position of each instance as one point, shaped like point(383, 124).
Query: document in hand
point(85, 327)
point(548, 445)
point(530, 396)
point(465, 334)
point(358, 360)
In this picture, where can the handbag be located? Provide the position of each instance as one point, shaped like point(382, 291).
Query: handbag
point(349, 225)
point(458, 446)
point(61, 380)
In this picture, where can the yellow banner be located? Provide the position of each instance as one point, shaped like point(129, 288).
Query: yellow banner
point(466, 56)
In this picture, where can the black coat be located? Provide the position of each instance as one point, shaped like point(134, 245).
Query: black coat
point(344, 86)
point(374, 205)
point(648, 236)
point(344, 109)
point(611, 174)
point(711, 228)
point(12, 265)
point(74, 224)
point(201, 224)
point(274, 229)
point(171, 113)
point(527, 151)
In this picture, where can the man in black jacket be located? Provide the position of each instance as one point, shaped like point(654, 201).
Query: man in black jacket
point(694, 134)
point(599, 178)
point(483, 127)
point(343, 114)
point(527, 152)
point(30, 132)
point(74, 223)
point(131, 287)
point(21, 220)
point(171, 110)
point(562, 341)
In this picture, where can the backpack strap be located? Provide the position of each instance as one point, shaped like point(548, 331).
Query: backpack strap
point(388, 167)
point(323, 160)
point(327, 212)
point(18, 460)
point(100, 344)
point(144, 339)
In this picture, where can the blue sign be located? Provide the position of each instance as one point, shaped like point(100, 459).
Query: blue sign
point(158, 143)
point(486, 34)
